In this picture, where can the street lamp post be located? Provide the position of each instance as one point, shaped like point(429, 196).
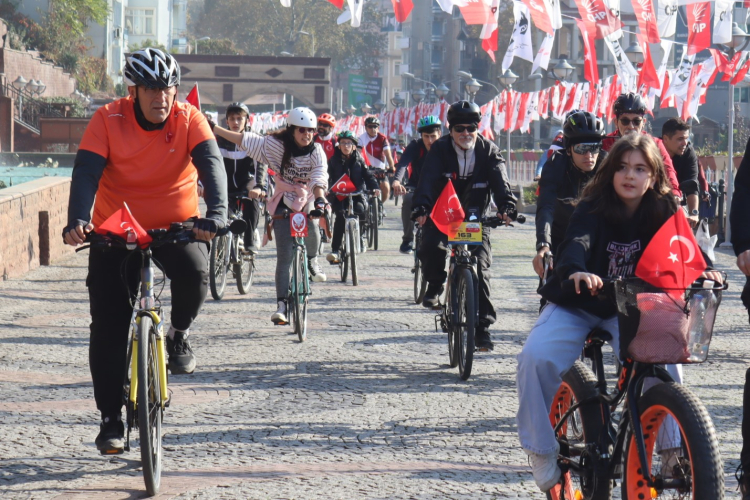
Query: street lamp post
point(201, 39)
point(472, 87)
point(313, 41)
point(411, 75)
point(562, 69)
point(442, 91)
point(508, 79)
point(739, 38)
point(366, 108)
point(418, 95)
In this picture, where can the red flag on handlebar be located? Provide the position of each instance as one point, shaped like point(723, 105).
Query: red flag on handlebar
point(121, 223)
point(448, 214)
point(343, 186)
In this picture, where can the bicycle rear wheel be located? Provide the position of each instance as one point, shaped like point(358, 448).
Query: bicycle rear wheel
point(464, 324)
point(300, 293)
point(353, 240)
point(578, 435)
point(695, 469)
point(149, 406)
point(344, 260)
point(218, 266)
point(244, 273)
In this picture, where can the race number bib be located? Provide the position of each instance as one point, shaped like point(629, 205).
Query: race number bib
point(298, 225)
point(468, 233)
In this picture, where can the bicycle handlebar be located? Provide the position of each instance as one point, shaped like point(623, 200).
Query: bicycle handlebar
point(568, 286)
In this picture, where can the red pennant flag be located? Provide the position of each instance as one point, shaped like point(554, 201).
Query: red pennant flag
point(590, 66)
point(646, 15)
point(692, 84)
point(600, 21)
point(338, 3)
point(720, 58)
point(699, 27)
point(122, 223)
point(672, 258)
point(343, 186)
point(525, 96)
point(490, 45)
point(477, 12)
point(730, 67)
point(193, 97)
point(402, 9)
point(648, 75)
point(447, 214)
point(540, 15)
point(741, 73)
point(669, 102)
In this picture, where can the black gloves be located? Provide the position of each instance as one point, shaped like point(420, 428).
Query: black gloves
point(320, 203)
point(418, 212)
point(208, 225)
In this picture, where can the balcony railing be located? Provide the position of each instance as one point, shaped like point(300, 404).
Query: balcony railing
point(26, 110)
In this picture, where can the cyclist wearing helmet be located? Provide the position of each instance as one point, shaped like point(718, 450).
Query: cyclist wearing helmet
point(301, 184)
point(429, 127)
point(563, 178)
point(243, 173)
point(347, 160)
point(147, 150)
point(377, 150)
point(478, 172)
point(630, 111)
point(325, 136)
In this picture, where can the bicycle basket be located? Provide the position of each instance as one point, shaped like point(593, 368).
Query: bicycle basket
point(658, 328)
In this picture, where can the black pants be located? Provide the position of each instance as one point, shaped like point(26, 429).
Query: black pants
point(113, 280)
point(432, 254)
point(251, 214)
point(341, 207)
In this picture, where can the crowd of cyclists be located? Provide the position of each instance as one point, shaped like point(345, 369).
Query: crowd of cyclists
point(601, 200)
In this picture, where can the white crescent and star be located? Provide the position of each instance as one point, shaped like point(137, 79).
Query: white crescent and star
point(688, 244)
point(340, 184)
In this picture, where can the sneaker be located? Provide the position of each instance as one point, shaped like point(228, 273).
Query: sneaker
point(316, 273)
point(111, 438)
point(406, 248)
point(333, 258)
point(279, 317)
point(181, 357)
point(545, 469)
point(363, 244)
point(482, 339)
point(432, 296)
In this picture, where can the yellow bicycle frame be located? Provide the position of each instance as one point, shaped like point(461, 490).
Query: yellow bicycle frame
point(161, 360)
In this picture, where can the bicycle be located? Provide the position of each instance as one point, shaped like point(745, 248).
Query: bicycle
point(381, 175)
point(145, 393)
point(370, 225)
point(299, 273)
point(601, 440)
point(459, 311)
point(352, 244)
point(420, 284)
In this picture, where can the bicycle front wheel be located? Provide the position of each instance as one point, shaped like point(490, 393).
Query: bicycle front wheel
point(149, 406)
point(299, 294)
point(465, 314)
point(344, 258)
point(244, 273)
point(578, 434)
point(353, 240)
point(218, 266)
point(692, 468)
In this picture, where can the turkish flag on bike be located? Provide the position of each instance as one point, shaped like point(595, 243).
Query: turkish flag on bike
point(672, 260)
point(122, 223)
point(343, 186)
point(447, 214)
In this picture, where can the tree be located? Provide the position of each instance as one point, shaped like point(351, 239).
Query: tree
point(217, 47)
point(275, 29)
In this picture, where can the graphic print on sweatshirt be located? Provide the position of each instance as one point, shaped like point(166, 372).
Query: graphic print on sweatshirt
point(622, 258)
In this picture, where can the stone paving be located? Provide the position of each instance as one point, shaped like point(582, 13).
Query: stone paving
point(367, 407)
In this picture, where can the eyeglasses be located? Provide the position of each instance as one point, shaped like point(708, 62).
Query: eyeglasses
point(349, 144)
point(587, 147)
point(153, 91)
point(373, 126)
point(635, 121)
point(303, 130)
point(463, 128)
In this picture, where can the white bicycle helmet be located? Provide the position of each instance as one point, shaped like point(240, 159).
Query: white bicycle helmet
point(151, 67)
point(302, 117)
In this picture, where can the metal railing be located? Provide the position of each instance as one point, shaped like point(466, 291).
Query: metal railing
point(26, 110)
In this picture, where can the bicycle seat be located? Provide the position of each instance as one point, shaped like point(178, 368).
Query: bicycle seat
point(598, 335)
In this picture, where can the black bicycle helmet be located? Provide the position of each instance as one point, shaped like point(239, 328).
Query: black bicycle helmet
point(372, 120)
point(464, 113)
point(151, 68)
point(581, 126)
point(348, 135)
point(237, 107)
point(629, 103)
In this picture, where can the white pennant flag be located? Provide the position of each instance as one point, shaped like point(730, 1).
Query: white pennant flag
point(679, 84)
point(555, 15)
point(531, 110)
point(542, 57)
point(447, 5)
point(354, 12)
point(666, 48)
point(286, 3)
point(520, 40)
point(666, 17)
point(626, 73)
point(614, 10)
point(723, 21)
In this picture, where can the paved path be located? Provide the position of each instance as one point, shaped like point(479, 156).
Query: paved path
point(366, 408)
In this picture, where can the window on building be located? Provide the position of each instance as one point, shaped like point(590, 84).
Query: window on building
point(228, 92)
point(396, 69)
point(140, 21)
point(437, 55)
point(314, 73)
point(320, 94)
point(742, 94)
point(437, 28)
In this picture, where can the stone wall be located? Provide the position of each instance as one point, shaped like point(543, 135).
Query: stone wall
point(32, 216)
point(16, 63)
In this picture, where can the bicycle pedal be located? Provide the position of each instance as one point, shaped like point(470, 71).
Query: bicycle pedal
point(113, 451)
point(279, 323)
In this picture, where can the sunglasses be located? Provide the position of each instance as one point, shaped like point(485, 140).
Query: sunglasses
point(462, 128)
point(373, 126)
point(635, 121)
point(304, 130)
point(587, 147)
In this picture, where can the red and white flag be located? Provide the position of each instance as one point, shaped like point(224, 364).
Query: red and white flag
point(672, 260)
point(123, 224)
point(402, 9)
point(545, 50)
point(644, 12)
point(648, 75)
point(731, 67)
point(193, 97)
point(666, 18)
point(722, 26)
point(343, 186)
point(540, 15)
point(476, 11)
point(600, 21)
point(699, 27)
point(590, 66)
point(489, 31)
point(448, 214)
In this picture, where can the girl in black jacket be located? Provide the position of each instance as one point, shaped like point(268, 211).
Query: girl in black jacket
point(621, 209)
point(346, 160)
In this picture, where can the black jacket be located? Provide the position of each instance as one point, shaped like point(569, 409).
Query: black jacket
point(686, 166)
point(354, 167)
point(414, 154)
point(239, 166)
point(489, 177)
point(560, 185)
point(740, 211)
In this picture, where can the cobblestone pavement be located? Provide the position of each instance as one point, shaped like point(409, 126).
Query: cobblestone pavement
point(365, 408)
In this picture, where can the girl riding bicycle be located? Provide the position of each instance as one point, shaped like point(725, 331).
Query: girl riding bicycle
point(301, 184)
point(620, 210)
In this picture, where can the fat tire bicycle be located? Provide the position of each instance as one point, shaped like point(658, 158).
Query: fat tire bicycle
point(227, 252)
point(601, 440)
point(146, 394)
point(459, 310)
